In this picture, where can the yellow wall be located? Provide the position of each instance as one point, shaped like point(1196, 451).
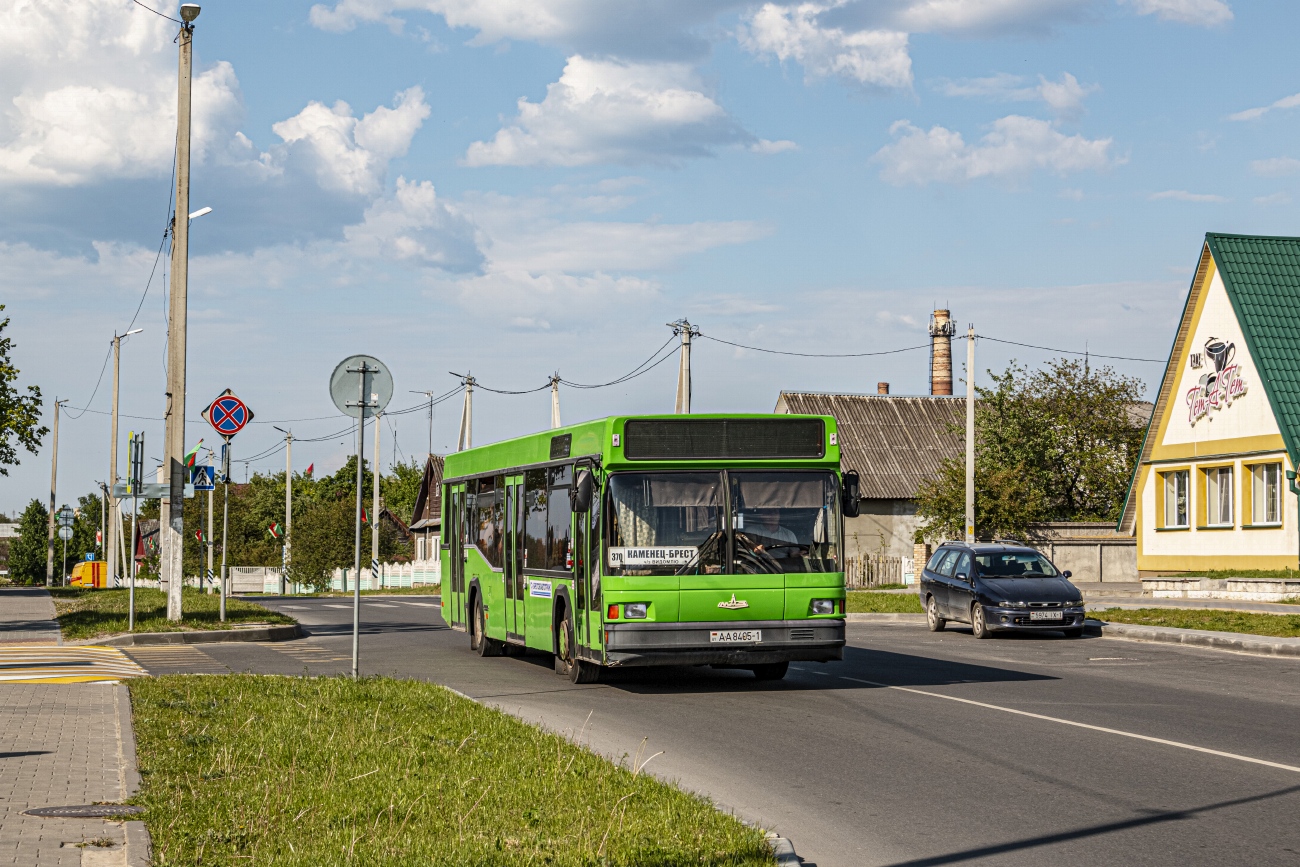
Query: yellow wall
point(1239, 433)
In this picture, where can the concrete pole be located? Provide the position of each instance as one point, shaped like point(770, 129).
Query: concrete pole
point(555, 400)
point(374, 516)
point(114, 528)
point(970, 434)
point(288, 508)
point(54, 485)
point(172, 523)
point(465, 438)
point(684, 329)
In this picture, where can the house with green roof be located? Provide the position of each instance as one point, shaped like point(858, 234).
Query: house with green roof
point(1210, 490)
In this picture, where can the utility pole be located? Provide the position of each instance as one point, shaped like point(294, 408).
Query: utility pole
point(555, 400)
point(970, 433)
point(111, 547)
point(465, 439)
point(288, 507)
point(429, 395)
point(172, 511)
point(54, 484)
point(685, 330)
point(374, 516)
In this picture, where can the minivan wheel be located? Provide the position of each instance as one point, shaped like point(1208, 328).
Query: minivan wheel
point(977, 624)
point(1073, 632)
point(932, 618)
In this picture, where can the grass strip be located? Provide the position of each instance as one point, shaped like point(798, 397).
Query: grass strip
point(430, 590)
point(284, 770)
point(1291, 574)
point(866, 602)
point(88, 613)
point(1274, 625)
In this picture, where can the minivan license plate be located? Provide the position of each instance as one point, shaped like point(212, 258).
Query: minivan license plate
point(1044, 615)
point(729, 636)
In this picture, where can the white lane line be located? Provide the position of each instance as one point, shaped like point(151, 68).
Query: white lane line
point(424, 604)
point(380, 605)
point(1094, 728)
point(333, 605)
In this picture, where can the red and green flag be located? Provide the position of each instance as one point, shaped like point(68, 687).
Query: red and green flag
point(365, 516)
point(193, 454)
point(310, 467)
point(275, 530)
point(198, 534)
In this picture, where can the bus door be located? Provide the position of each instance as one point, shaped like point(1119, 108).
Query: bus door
point(586, 546)
point(513, 559)
point(453, 538)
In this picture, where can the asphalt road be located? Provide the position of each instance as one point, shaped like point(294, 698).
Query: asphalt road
point(917, 749)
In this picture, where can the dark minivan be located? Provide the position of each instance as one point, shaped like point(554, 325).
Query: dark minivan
point(999, 586)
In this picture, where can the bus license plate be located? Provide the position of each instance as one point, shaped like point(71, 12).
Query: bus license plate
point(1045, 615)
point(730, 636)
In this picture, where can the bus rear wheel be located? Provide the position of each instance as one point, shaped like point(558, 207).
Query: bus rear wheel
point(479, 641)
point(770, 670)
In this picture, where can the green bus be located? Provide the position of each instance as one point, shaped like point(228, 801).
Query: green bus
point(652, 540)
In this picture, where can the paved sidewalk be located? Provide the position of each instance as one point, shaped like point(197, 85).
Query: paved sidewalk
point(27, 615)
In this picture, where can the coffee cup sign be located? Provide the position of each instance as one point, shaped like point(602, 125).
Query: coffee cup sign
point(1219, 388)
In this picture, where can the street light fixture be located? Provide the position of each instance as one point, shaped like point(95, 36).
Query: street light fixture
point(190, 11)
point(200, 212)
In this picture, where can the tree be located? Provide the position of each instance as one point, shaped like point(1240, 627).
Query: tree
point(19, 413)
point(400, 488)
point(27, 552)
point(1053, 444)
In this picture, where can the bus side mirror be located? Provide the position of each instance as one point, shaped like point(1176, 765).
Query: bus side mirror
point(850, 494)
point(583, 487)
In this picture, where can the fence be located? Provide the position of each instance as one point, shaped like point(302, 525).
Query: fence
point(423, 573)
point(876, 569)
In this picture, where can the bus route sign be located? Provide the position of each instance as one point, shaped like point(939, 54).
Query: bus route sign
point(228, 414)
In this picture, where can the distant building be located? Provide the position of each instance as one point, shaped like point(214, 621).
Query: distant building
point(1210, 491)
point(895, 443)
point(426, 519)
point(8, 532)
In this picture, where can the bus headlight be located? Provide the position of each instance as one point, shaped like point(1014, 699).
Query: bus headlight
point(635, 610)
point(823, 606)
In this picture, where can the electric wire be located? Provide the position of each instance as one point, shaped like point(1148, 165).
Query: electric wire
point(633, 373)
point(102, 368)
point(815, 354)
point(1073, 351)
point(156, 12)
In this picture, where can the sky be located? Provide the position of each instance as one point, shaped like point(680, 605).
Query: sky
point(515, 188)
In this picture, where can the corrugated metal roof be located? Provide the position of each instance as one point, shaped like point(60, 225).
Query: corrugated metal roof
point(895, 442)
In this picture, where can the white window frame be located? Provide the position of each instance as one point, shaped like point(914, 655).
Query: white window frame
point(1259, 494)
point(1220, 501)
point(1172, 481)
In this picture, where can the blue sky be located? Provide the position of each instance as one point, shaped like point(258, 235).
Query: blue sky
point(522, 186)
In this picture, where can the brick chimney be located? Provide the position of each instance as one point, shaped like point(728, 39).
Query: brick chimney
point(882, 388)
point(942, 328)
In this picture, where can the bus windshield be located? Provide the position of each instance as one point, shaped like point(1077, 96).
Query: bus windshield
point(736, 522)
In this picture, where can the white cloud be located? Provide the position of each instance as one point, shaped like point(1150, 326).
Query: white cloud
point(606, 111)
point(1275, 167)
point(1184, 196)
point(877, 58)
point(415, 225)
point(1064, 97)
point(1072, 193)
point(1015, 146)
point(1207, 13)
point(763, 146)
point(1274, 199)
point(985, 16)
point(587, 247)
point(1252, 113)
point(92, 95)
point(350, 155)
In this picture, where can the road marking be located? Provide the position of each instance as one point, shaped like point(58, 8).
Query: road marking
point(380, 605)
point(85, 664)
point(424, 604)
point(1081, 725)
point(335, 605)
point(176, 659)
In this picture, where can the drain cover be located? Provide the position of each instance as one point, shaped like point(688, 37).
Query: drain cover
point(85, 811)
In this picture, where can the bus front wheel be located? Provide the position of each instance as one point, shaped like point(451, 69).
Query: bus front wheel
point(479, 641)
point(567, 662)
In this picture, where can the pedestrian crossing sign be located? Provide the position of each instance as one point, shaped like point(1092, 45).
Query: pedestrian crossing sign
point(203, 478)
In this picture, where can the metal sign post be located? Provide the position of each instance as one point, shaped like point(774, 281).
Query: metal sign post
point(373, 388)
point(228, 415)
point(66, 518)
point(135, 476)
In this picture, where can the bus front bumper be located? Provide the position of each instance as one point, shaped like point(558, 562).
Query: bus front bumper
point(632, 644)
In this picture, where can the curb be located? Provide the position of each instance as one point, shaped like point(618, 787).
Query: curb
point(285, 632)
point(783, 849)
point(1237, 642)
point(885, 618)
point(126, 735)
point(139, 847)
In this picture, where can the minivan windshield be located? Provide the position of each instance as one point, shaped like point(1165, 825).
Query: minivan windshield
point(1015, 564)
point(710, 523)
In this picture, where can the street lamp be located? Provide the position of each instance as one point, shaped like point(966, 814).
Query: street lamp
point(111, 546)
point(190, 11)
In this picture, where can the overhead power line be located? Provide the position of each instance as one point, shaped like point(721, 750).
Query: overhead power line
point(816, 354)
point(1072, 351)
point(156, 12)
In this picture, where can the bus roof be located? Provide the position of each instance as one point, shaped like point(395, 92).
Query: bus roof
point(664, 441)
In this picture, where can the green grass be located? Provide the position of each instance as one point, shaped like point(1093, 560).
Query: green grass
point(392, 591)
point(1292, 574)
point(278, 770)
point(86, 613)
point(1275, 625)
point(866, 602)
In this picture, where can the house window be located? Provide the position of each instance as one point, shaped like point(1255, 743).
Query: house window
point(1266, 494)
point(1218, 496)
point(1176, 498)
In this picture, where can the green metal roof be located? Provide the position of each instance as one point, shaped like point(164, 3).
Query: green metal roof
point(1262, 278)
